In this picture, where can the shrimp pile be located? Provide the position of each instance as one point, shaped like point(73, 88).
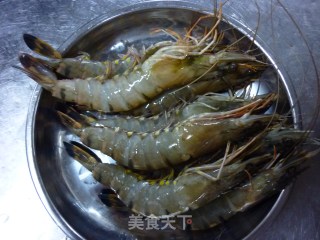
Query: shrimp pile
point(173, 108)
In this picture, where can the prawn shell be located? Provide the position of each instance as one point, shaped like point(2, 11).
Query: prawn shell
point(174, 197)
point(128, 91)
point(170, 146)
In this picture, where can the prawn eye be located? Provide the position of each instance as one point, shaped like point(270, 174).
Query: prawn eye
point(233, 67)
point(249, 71)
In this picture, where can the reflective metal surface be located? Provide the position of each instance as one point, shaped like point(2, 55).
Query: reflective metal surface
point(298, 219)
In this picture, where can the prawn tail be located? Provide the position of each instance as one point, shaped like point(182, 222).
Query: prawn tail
point(41, 47)
point(82, 154)
point(111, 200)
point(75, 122)
point(36, 70)
point(73, 113)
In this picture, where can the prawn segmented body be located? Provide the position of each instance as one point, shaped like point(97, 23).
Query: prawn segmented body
point(127, 92)
point(172, 145)
point(168, 198)
point(203, 104)
point(231, 76)
point(208, 192)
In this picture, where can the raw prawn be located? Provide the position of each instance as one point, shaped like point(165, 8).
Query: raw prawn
point(172, 145)
point(169, 67)
point(203, 104)
point(231, 76)
point(168, 198)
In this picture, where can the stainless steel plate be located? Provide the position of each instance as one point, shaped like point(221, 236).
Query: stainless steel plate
point(65, 188)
